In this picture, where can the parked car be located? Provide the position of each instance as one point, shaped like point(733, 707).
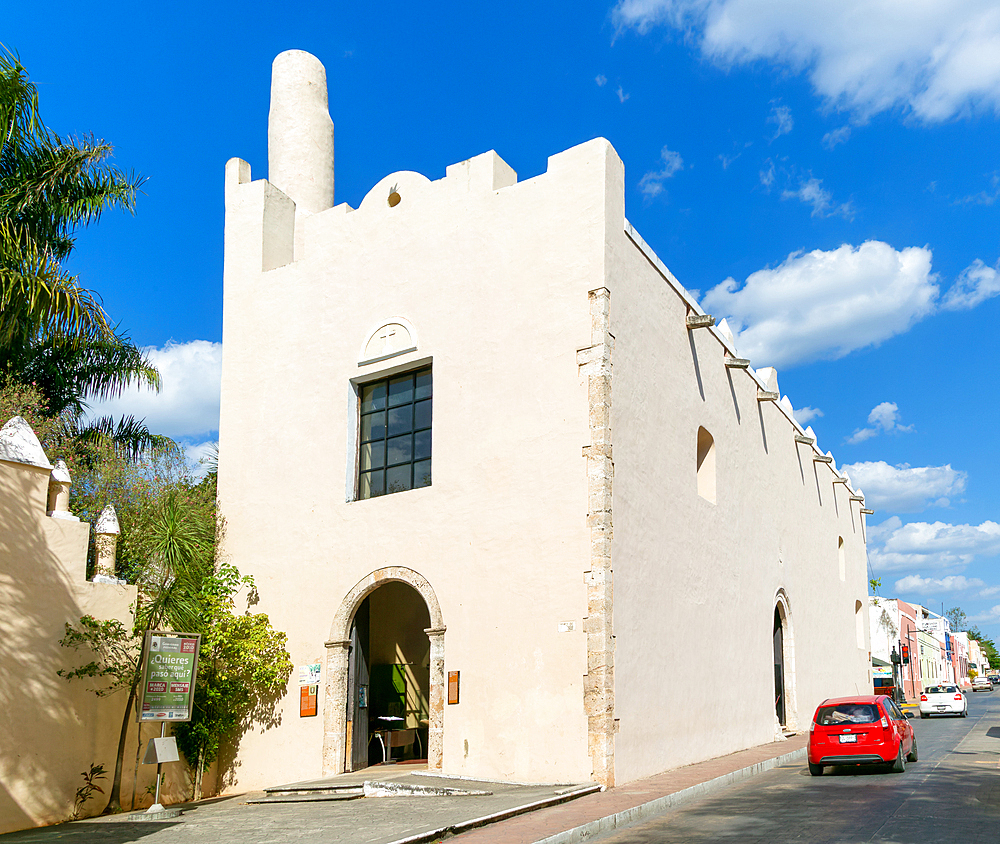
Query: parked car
point(982, 684)
point(943, 700)
point(863, 730)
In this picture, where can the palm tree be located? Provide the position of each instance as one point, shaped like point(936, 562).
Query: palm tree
point(53, 332)
point(65, 372)
point(180, 544)
point(48, 188)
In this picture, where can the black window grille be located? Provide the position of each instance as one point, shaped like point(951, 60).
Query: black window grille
point(395, 450)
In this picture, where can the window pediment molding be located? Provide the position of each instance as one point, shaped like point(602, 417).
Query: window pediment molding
point(391, 338)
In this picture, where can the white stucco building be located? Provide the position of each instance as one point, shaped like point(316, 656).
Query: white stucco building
point(606, 472)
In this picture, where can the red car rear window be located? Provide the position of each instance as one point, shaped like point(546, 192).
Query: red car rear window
point(847, 713)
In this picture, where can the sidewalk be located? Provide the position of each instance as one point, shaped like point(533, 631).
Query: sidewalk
point(476, 812)
point(602, 812)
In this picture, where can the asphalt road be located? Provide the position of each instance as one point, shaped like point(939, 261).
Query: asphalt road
point(952, 794)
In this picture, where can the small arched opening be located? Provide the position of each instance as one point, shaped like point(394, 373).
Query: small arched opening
point(706, 465)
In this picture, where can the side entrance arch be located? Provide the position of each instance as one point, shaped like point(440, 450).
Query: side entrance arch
point(338, 756)
point(783, 645)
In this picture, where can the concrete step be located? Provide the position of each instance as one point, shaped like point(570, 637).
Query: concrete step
point(312, 795)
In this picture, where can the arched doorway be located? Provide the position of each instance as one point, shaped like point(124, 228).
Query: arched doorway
point(777, 639)
point(782, 644)
point(385, 658)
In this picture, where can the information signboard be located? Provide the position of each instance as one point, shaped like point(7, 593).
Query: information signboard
point(169, 668)
point(307, 700)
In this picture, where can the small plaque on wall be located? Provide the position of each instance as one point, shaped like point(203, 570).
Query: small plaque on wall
point(307, 700)
point(453, 687)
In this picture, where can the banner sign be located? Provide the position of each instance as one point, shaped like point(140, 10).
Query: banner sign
point(169, 667)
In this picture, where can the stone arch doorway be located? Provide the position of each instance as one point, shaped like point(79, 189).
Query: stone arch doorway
point(336, 757)
point(783, 649)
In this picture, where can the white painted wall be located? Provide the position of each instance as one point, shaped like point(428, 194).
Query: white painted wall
point(495, 283)
point(683, 563)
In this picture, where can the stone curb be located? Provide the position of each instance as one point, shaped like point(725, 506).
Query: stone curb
point(656, 807)
point(465, 826)
point(142, 817)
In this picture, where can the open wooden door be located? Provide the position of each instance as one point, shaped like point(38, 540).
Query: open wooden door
point(358, 689)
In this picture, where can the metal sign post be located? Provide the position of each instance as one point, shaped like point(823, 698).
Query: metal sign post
point(166, 693)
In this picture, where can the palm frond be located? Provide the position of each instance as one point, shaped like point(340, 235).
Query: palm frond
point(182, 544)
point(129, 437)
point(38, 297)
point(18, 101)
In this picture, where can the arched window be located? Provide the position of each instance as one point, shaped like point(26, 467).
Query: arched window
point(859, 624)
point(841, 558)
point(706, 465)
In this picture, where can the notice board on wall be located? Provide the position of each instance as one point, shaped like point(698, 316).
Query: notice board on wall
point(307, 700)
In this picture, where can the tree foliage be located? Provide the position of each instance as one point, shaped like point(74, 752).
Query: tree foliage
point(243, 670)
point(168, 548)
point(168, 536)
point(54, 334)
point(49, 187)
point(114, 651)
point(987, 645)
point(957, 619)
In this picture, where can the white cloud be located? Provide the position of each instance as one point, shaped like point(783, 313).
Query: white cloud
point(933, 59)
point(198, 456)
point(805, 415)
point(974, 285)
point(827, 304)
point(983, 197)
point(188, 405)
point(824, 305)
point(837, 136)
point(884, 418)
point(622, 96)
point(936, 546)
point(767, 176)
point(811, 192)
point(651, 184)
point(905, 488)
point(990, 616)
point(601, 80)
point(781, 116)
point(989, 592)
point(914, 584)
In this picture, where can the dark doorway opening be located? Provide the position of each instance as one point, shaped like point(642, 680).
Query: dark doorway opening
point(779, 667)
point(388, 678)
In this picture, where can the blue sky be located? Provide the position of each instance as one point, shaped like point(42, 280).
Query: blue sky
point(826, 175)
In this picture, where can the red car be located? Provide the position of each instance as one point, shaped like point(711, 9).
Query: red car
point(863, 730)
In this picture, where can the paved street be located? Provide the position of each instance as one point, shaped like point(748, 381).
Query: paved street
point(952, 794)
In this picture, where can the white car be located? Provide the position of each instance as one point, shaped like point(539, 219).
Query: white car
point(982, 684)
point(943, 700)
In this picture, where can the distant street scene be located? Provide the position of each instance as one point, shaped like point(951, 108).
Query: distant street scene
point(951, 794)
